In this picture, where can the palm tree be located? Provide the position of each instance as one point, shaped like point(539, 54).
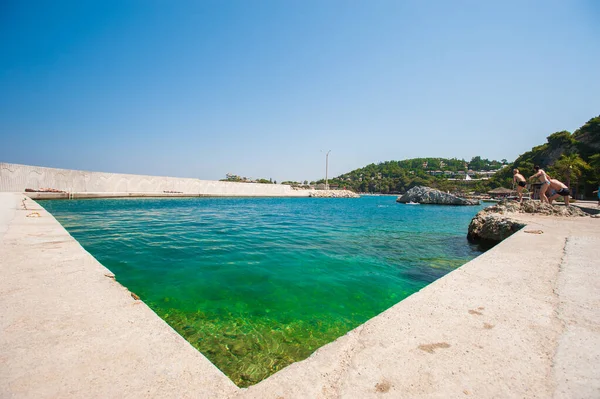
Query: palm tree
point(570, 166)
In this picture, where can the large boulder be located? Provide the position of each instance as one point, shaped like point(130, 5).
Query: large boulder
point(491, 228)
point(426, 195)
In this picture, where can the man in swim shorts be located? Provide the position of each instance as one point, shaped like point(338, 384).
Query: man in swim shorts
point(520, 181)
point(559, 189)
point(544, 179)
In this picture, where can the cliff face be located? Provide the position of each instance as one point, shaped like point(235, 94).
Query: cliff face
point(426, 195)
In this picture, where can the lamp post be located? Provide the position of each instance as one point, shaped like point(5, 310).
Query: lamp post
point(327, 169)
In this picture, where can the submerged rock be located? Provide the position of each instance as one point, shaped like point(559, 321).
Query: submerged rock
point(426, 195)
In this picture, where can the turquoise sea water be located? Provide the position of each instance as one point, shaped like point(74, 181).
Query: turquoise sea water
point(258, 283)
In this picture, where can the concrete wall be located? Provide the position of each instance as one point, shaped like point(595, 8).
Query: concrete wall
point(16, 178)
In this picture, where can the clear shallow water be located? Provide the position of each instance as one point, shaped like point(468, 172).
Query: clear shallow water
point(258, 283)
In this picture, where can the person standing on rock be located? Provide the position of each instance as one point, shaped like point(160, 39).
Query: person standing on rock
point(559, 188)
point(544, 179)
point(520, 181)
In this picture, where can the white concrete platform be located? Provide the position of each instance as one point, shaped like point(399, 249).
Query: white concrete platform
point(522, 320)
point(69, 330)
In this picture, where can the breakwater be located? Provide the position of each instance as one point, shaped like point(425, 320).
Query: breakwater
point(83, 184)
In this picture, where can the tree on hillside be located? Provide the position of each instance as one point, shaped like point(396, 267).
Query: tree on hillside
point(570, 166)
point(560, 139)
point(588, 138)
point(594, 171)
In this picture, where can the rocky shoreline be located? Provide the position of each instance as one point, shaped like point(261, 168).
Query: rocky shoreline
point(333, 194)
point(495, 223)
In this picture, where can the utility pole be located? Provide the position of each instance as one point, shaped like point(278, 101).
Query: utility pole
point(327, 169)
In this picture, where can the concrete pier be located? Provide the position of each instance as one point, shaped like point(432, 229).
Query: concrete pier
point(521, 320)
point(68, 329)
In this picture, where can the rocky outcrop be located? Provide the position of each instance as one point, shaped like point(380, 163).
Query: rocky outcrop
point(426, 195)
point(333, 194)
point(495, 223)
point(491, 228)
point(546, 209)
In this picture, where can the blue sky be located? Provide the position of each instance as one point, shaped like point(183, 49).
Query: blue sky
point(259, 88)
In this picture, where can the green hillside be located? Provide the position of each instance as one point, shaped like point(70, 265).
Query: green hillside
point(399, 176)
point(573, 158)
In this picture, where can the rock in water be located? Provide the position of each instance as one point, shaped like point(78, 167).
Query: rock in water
point(426, 195)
